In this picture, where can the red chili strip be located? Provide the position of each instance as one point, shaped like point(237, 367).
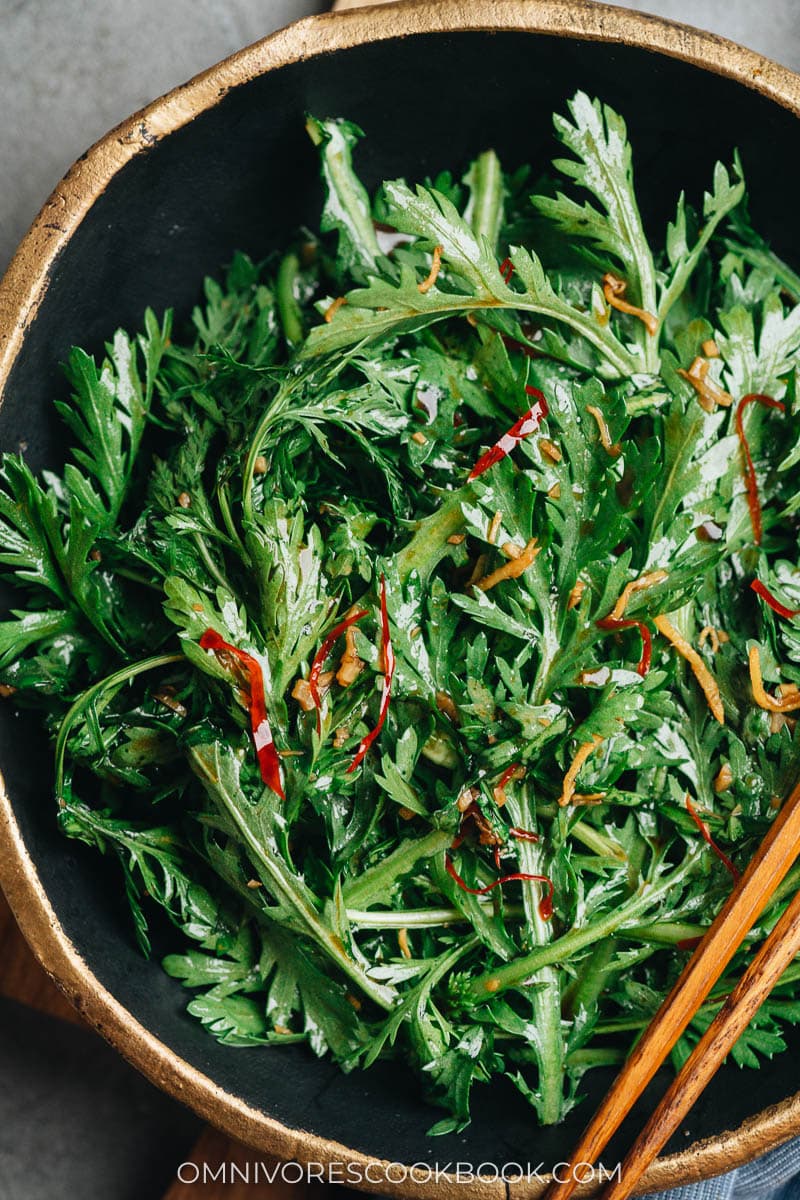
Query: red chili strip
point(507, 270)
point(509, 771)
point(268, 761)
point(766, 595)
point(721, 855)
point(689, 943)
point(388, 674)
point(524, 427)
point(643, 665)
point(523, 835)
point(545, 904)
point(322, 654)
point(751, 482)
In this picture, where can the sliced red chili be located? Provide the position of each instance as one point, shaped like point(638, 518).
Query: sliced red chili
point(766, 595)
point(689, 943)
point(643, 666)
point(523, 835)
point(507, 774)
point(704, 830)
point(521, 429)
point(322, 654)
point(389, 661)
point(268, 761)
point(506, 270)
point(545, 904)
point(751, 482)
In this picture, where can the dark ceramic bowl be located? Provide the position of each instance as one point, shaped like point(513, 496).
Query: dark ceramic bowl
point(223, 163)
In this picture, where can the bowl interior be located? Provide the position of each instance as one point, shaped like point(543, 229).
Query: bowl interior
point(242, 175)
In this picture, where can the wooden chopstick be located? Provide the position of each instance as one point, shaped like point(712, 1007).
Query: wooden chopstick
point(767, 869)
point(775, 955)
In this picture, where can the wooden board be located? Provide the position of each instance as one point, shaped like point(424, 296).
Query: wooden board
point(21, 977)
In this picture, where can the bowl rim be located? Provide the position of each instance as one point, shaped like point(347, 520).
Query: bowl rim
point(21, 292)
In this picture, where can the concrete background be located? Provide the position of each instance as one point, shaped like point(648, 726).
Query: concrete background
point(71, 69)
point(74, 1119)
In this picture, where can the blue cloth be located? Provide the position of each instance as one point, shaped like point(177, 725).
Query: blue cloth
point(775, 1176)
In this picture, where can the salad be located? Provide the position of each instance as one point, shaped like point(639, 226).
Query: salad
point(417, 630)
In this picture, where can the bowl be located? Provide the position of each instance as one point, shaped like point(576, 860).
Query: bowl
point(223, 163)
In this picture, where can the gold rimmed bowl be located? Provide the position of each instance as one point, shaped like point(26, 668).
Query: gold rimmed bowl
point(223, 164)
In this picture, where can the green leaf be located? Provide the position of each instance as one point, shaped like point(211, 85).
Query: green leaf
point(452, 1074)
point(414, 1001)
point(194, 612)
point(239, 320)
point(293, 602)
point(155, 864)
point(396, 776)
point(108, 414)
point(347, 206)
point(748, 248)
point(254, 826)
point(52, 551)
point(694, 458)
point(727, 193)
point(30, 628)
point(289, 985)
point(484, 210)
point(232, 1020)
point(603, 165)
point(300, 986)
point(392, 303)
point(760, 346)
point(28, 516)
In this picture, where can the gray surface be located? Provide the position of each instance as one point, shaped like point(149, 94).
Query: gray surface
point(74, 1120)
point(72, 69)
point(771, 26)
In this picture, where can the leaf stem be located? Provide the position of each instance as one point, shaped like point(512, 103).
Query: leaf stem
point(224, 505)
point(376, 882)
point(597, 841)
point(664, 933)
point(520, 970)
point(288, 307)
point(208, 766)
point(423, 918)
point(546, 991)
point(209, 563)
point(583, 1060)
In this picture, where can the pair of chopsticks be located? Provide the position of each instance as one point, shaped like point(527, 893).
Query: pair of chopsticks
point(768, 868)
